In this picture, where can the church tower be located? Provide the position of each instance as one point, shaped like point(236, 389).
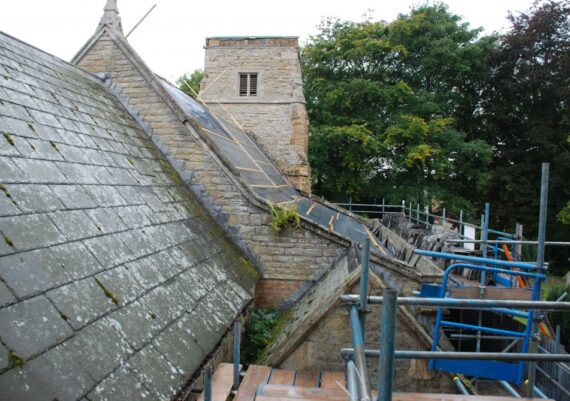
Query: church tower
point(256, 82)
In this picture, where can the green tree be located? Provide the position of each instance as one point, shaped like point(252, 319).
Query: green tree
point(527, 119)
point(564, 215)
point(190, 83)
point(384, 105)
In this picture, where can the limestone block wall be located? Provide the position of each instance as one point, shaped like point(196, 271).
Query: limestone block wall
point(320, 350)
point(294, 257)
point(276, 116)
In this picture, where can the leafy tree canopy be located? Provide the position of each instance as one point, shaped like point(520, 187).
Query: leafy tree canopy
point(391, 104)
point(190, 83)
point(527, 119)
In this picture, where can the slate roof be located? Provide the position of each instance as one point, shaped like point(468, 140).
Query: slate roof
point(114, 283)
point(247, 161)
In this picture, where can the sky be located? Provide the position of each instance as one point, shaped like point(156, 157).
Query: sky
point(172, 38)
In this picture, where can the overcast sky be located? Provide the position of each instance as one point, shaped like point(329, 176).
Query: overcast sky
point(171, 39)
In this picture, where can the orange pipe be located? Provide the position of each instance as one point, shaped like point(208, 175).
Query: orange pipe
point(510, 258)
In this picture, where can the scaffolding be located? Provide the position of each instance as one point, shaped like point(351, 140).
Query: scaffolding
point(507, 275)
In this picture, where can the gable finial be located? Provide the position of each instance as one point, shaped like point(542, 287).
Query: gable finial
point(111, 17)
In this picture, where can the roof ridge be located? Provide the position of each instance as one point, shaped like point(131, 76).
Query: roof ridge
point(76, 68)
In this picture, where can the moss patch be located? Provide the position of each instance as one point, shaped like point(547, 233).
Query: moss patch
point(14, 360)
point(248, 267)
point(31, 126)
point(9, 138)
point(7, 194)
point(54, 145)
point(108, 293)
point(8, 241)
point(169, 171)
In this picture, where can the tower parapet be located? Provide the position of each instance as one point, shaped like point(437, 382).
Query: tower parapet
point(257, 82)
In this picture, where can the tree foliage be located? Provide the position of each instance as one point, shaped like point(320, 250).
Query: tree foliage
point(527, 118)
point(425, 108)
point(389, 104)
point(190, 83)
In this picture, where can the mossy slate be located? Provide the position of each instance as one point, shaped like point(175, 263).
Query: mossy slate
point(105, 258)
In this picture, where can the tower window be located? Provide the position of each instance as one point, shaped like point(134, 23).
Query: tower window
point(248, 84)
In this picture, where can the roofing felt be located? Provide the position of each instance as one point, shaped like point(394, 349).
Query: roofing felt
point(258, 172)
point(114, 281)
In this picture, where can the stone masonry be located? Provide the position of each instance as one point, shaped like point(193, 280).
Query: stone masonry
point(294, 258)
point(317, 326)
point(276, 116)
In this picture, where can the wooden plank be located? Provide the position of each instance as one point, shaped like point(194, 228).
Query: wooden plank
point(519, 294)
point(307, 378)
point(329, 379)
point(254, 376)
point(222, 382)
point(272, 392)
point(448, 397)
point(282, 376)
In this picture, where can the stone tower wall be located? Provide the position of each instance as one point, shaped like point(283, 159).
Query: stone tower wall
point(289, 261)
point(276, 116)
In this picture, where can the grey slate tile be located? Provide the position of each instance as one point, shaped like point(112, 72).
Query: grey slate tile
point(32, 272)
point(20, 384)
point(78, 173)
point(120, 386)
point(109, 250)
point(9, 172)
point(35, 198)
point(134, 216)
point(21, 323)
point(74, 196)
point(47, 119)
point(30, 231)
point(120, 283)
point(105, 195)
point(8, 206)
point(146, 272)
point(139, 242)
point(157, 299)
point(136, 323)
point(54, 375)
point(37, 149)
point(76, 259)
point(40, 171)
point(74, 224)
point(99, 349)
point(4, 357)
point(179, 337)
point(158, 374)
point(106, 220)
point(46, 133)
point(6, 296)
point(81, 302)
point(8, 146)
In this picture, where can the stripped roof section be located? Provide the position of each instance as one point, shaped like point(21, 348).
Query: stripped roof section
point(244, 157)
point(108, 265)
